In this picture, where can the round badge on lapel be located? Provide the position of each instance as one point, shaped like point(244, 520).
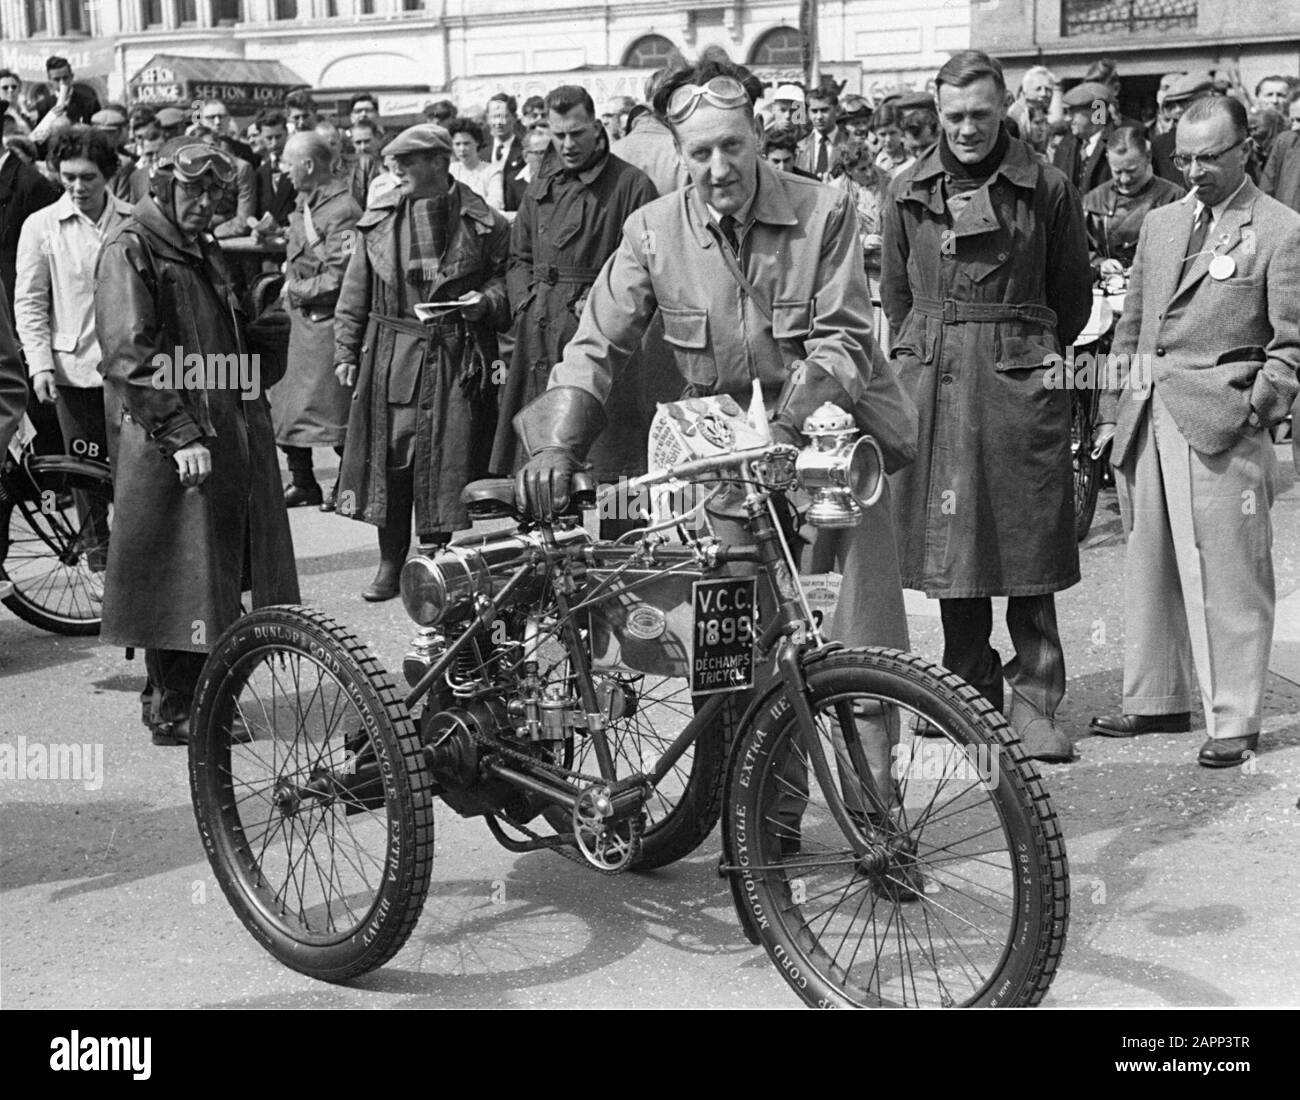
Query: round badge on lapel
point(1222, 267)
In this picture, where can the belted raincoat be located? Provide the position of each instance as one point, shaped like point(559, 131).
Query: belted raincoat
point(451, 361)
point(978, 308)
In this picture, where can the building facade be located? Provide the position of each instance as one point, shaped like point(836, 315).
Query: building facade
point(1243, 39)
point(413, 50)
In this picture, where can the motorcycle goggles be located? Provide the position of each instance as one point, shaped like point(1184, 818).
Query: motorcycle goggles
point(724, 92)
point(190, 163)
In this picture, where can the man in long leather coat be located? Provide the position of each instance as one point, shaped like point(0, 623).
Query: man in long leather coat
point(985, 280)
point(424, 409)
point(196, 488)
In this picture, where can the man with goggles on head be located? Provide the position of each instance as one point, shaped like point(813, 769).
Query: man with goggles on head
point(802, 329)
point(198, 501)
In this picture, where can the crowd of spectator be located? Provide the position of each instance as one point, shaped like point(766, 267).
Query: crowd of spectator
point(515, 210)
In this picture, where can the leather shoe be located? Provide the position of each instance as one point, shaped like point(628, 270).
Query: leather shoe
point(1130, 725)
point(331, 499)
point(295, 496)
point(1227, 752)
point(1045, 740)
point(171, 733)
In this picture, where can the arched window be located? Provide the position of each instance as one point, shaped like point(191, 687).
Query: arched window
point(782, 46)
point(651, 52)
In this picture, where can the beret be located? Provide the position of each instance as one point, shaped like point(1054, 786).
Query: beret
point(108, 117)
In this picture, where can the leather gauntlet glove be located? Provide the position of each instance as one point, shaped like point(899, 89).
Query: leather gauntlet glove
point(556, 431)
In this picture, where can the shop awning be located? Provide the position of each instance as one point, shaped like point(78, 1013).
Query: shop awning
point(243, 85)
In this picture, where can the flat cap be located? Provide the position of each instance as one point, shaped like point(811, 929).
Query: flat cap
point(790, 92)
point(1188, 87)
point(169, 117)
point(108, 117)
point(426, 137)
point(917, 101)
point(1088, 93)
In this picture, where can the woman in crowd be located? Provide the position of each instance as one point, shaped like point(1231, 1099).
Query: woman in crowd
point(480, 176)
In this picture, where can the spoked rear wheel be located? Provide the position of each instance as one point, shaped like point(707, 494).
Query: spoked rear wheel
point(962, 897)
point(646, 713)
point(311, 792)
point(55, 520)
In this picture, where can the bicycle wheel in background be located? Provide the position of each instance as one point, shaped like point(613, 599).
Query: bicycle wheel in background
point(963, 898)
point(55, 518)
point(1087, 470)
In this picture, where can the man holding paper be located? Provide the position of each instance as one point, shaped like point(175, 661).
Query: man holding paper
point(424, 407)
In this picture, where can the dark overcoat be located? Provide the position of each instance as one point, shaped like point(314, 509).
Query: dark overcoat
point(987, 508)
point(454, 362)
point(178, 555)
point(309, 407)
point(566, 229)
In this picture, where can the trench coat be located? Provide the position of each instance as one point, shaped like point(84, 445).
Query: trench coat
point(565, 230)
point(178, 555)
point(987, 508)
point(309, 407)
point(455, 362)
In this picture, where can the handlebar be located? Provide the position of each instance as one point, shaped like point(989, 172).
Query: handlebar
point(687, 470)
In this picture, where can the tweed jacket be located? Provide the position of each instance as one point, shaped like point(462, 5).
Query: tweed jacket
point(1217, 346)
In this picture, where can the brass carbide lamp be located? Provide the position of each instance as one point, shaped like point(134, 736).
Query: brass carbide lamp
point(842, 471)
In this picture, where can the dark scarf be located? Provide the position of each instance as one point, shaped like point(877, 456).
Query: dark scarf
point(979, 171)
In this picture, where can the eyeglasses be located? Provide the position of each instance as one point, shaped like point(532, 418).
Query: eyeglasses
point(1206, 160)
point(724, 92)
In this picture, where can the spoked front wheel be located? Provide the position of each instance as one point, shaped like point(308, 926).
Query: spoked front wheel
point(960, 895)
point(311, 792)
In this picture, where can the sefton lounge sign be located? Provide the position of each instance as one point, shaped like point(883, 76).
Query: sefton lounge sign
point(161, 85)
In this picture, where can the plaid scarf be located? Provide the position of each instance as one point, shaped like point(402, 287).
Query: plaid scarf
point(429, 218)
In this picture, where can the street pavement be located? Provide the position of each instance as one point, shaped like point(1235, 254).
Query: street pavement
point(1184, 880)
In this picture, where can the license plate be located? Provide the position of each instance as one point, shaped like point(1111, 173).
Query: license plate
point(722, 642)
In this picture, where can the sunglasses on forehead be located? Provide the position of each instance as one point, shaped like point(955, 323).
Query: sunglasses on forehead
point(724, 92)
